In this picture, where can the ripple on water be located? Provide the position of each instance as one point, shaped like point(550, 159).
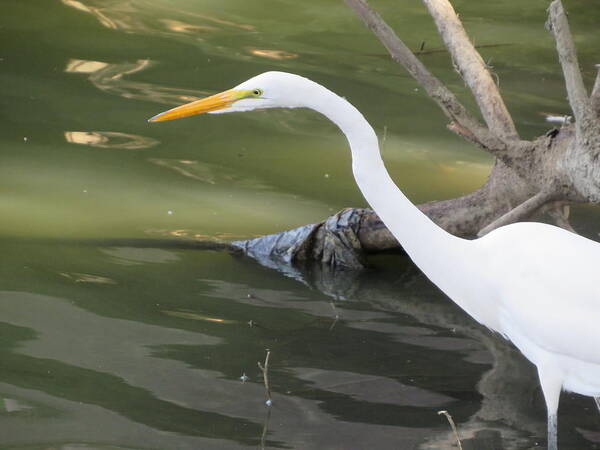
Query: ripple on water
point(133, 255)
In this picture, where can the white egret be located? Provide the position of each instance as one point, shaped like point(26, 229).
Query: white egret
point(534, 284)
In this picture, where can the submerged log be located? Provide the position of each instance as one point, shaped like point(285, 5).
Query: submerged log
point(334, 242)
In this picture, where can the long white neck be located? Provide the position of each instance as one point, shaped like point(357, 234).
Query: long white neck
point(444, 258)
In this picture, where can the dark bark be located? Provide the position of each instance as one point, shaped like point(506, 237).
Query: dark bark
point(334, 242)
point(529, 178)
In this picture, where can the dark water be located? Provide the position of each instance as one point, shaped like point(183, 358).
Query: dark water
point(117, 336)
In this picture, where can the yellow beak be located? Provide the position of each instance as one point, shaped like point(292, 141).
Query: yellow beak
point(208, 104)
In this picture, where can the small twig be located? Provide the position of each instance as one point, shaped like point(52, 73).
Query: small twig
point(337, 317)
point(523, 211)
point(451, 421)
point(489, 67)
point(265, 372)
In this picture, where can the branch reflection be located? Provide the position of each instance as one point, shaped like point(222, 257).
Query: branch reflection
point(508, 415)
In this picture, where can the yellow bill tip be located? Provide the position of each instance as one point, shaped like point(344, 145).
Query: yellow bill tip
point(212, 103)
point(156, 118)
point(167, 115)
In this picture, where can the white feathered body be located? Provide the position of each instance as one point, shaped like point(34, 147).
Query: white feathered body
point(544, 282)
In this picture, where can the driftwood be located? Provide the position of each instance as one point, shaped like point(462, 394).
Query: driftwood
point(529, 177)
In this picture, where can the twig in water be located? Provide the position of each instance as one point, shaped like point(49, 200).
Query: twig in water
point(451, 421)
point(263, 437)
point(337, 316)
point(265, 372)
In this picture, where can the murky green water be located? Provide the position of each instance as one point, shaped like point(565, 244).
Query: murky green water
point(115, 336)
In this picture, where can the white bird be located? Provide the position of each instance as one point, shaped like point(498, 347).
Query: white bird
point(533, 283)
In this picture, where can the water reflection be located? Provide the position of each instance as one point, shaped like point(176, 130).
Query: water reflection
point(188, 28)
point(110, 139)
point(128, 256)
point(370, 388)
point(76, 351)
point(109, 77)
point(359, 360)
point(208, 173)
point(505, 416)
point(195, 316)
point(87, 278)
point(136, 373)
point(84, 66)
point(149, 16)
point(202, 239)
point(97, 12)
point(272, 54)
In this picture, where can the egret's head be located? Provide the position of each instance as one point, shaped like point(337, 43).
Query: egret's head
point(267, 90)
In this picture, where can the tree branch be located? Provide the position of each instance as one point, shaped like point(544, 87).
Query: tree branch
point(523, 211)
point(578, 99)
point(595, 97)
point(472, 69)
point(466, 125)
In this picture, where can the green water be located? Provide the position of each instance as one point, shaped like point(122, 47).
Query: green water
point(115, 336)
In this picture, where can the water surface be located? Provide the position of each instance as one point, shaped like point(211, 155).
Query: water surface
point(116, 336)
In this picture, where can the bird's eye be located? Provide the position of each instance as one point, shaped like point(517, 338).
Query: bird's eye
point(257, 92)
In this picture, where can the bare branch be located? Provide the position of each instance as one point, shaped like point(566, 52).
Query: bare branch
point(523, 211)
point(567, 55)
point(473, 69)
point(445, 99)
point(595, 97)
